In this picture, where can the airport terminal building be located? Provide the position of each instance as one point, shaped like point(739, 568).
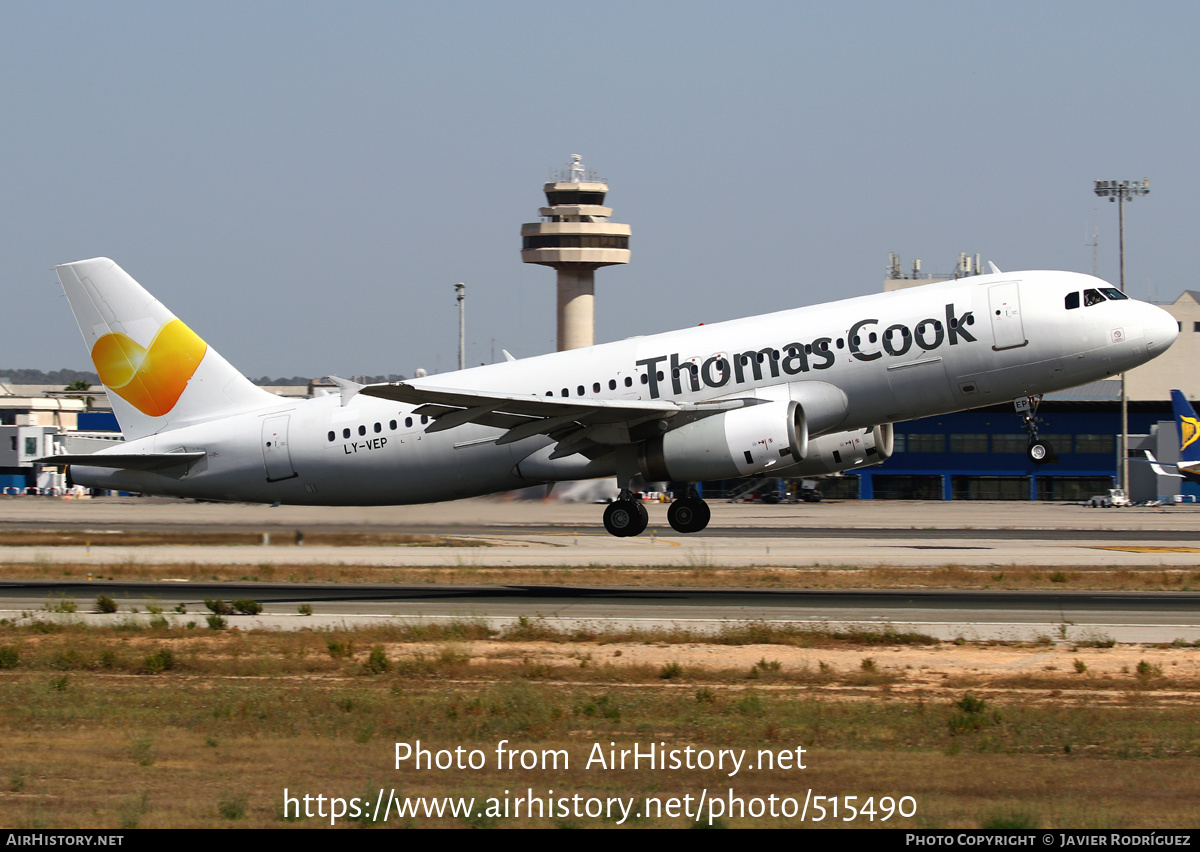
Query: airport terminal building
point(980, 454)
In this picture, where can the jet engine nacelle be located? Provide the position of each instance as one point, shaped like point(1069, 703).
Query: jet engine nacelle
point(741, 442)
point(844, 451)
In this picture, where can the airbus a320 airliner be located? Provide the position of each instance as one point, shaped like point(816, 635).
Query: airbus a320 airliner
point(797, 393)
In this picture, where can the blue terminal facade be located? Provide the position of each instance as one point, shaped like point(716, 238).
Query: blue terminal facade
point(980, 454)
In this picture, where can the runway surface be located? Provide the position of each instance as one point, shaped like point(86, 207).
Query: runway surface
point(546, 534)
point(536, 533)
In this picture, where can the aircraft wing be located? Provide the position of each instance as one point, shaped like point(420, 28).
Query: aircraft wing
point(576, 424)
point(124, 461)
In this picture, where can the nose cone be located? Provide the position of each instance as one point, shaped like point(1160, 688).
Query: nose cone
point(1160, 330)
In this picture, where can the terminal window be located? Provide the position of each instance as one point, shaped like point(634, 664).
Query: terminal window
point(1010, 443)
point(920, 442)
point(1094, 444)
point(1060, 443)
point(968, 442)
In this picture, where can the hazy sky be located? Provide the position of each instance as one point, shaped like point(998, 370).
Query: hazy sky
point(303, 183)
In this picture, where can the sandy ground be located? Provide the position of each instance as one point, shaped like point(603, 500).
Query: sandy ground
point(1037, 672)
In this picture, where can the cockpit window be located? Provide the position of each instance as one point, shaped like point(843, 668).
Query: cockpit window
point(1091, 297)
point(1072, 301)
point(1113, 293)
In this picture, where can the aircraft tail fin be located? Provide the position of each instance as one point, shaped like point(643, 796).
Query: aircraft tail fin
point(1188, 428)
point(159, 374)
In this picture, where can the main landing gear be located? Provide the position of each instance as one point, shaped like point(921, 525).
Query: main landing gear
point(1039, 451)
point(626, 516)
point(689, 514)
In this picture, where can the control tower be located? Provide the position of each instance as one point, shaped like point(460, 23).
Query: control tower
point(576, 237)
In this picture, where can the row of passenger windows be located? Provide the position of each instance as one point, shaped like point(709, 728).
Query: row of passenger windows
point(1095, 297)
point(612, 385)
point(978, 442)
point(362, 429)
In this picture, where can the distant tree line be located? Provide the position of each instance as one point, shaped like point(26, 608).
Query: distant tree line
point(54, 377)
point(301, 380)
point(66, 377)
point(267, 380)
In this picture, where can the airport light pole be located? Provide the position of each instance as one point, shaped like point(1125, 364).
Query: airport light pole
point(1121, 191)
point(460, 290)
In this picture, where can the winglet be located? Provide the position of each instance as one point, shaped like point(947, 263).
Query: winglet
point(347, 387)
point(994, 268)
point(1157, 468)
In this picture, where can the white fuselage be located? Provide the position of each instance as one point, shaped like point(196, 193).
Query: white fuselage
point(896, 356)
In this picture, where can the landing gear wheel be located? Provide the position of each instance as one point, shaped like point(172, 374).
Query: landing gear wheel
point(1040, 452)
point(688, 515)
point(625, 518)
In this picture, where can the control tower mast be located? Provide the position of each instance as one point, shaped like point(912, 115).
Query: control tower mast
point(576, 237)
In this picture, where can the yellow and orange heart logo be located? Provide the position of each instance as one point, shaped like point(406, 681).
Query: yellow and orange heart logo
point(151, 379)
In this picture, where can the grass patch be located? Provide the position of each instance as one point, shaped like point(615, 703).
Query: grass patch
point(377, 662)
point(233, 808)
point(1011, 819)
point(61, 604)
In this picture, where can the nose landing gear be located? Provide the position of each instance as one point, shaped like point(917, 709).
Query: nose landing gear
point(1039, 451)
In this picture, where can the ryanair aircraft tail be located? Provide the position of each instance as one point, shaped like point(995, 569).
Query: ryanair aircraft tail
point(1189, 430)
point(158, 373)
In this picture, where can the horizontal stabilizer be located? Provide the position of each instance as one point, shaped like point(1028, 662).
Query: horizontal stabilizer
point(124, 461)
